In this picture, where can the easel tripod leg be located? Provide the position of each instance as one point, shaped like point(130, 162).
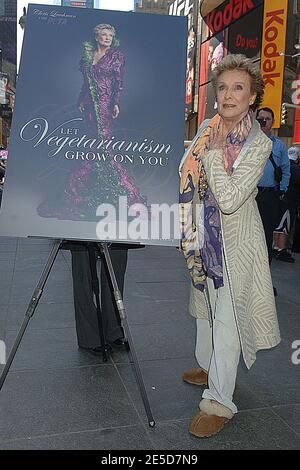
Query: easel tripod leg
point(33, 303)
point(122, 313)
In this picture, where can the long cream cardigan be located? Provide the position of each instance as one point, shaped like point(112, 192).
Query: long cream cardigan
point(244, 245)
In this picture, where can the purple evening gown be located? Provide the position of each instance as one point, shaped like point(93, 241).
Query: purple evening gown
point(108, 75)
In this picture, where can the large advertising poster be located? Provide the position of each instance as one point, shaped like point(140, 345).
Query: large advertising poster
point(235, 28)
point(296, 101)
point(97, 135)
point(189, 8)
point(78, 3)
point(245, 36)
point(228, 12)
point(272, 58)
point(3, 88)
point(212, 52)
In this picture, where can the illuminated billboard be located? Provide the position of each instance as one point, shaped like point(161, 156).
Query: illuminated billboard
point(188, 8)
point(78, 3)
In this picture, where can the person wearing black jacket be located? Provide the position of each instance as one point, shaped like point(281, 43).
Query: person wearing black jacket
point(293, 192)
point(270, 189)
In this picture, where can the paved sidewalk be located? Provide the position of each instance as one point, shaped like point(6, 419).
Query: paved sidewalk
point(57, 397)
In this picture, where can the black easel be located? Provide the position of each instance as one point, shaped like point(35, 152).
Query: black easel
point(33, 303)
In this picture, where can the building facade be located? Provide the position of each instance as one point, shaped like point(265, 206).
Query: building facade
point(152, 6)
point(8, 58)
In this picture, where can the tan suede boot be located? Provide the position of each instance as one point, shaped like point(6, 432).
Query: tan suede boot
point(195, 376)
point(210, 419)
point(203, 425)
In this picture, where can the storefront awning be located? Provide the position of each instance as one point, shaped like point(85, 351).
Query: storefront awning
point(206, 6)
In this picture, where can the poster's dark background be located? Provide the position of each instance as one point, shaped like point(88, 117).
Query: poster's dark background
point(152, 107)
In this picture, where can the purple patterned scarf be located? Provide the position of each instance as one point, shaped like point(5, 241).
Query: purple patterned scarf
point(201, 241)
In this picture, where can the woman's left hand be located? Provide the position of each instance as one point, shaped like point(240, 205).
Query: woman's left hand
point(116, 111)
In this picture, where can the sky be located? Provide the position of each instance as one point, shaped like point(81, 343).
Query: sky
point(124, 5)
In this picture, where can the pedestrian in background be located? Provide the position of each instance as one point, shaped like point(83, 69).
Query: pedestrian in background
point(293, 198)
point(275, 179)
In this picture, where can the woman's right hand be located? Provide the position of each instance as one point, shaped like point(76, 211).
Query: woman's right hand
point(217, 138)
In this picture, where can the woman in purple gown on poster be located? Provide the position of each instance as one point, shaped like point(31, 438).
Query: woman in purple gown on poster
point(93, 183)
point(106, 78)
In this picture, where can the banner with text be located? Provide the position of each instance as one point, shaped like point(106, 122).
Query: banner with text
point(97, 136)
point(272, 63)
point(189, 8)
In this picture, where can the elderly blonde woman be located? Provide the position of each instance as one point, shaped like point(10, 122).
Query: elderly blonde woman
point(224, 244)
point(103, 71)
point(102, 66)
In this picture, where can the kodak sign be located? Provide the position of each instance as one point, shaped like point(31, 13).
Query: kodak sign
point(229, 12)
point(272, 63)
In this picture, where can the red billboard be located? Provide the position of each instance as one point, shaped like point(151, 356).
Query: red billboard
point(188, 8)
point(212, 52)
point(228, 12)
point(244, 36)
point(296, 100)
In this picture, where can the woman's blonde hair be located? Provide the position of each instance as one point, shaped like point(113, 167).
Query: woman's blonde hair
point(101, 26)
point(241, 62)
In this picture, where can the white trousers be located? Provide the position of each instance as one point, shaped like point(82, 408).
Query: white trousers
point(218, 347)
